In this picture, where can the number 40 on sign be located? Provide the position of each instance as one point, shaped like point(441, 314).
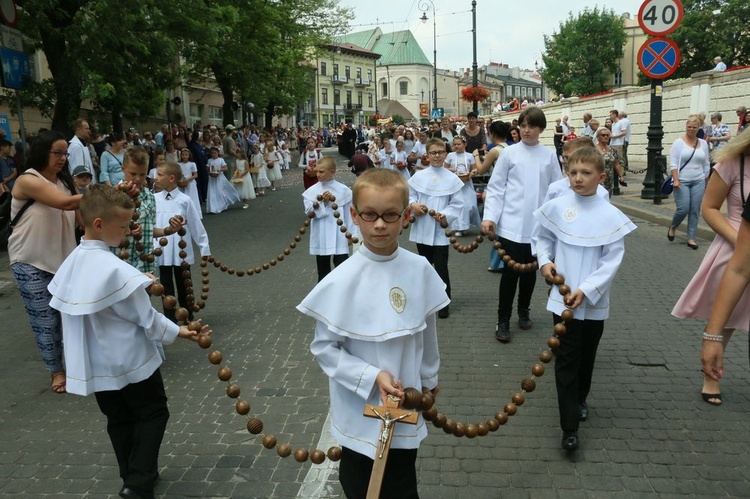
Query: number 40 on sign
point(660, 17)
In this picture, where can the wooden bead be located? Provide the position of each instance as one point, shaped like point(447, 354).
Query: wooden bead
point(158, 252)
point(243, 408)
point(284, 450)
point(182, 244)
point(560, 329)
point(479, 239)
point(240, 273)
point(507, 258)
point(334, 206)
point(215, 357)
point(169, 302)
point(443, 224)
point(567, 315)
point(269, 441)
point(334, 454)
point(194, 326)
point(266, 266)
point(306, 223)
point(492, 424)
point(250, 272)
point(272, 263)
point(280, 257)
point(412, 219)
point(564, 289)
point(156, 289)
point(460, 430)
point(204, 296)
point(553, 342)
point(348, 235)
point(292, 245)
point(181, 314)
point(302, 230)
point(254, 426)
point(301, 455)
point(342, 229)
point(168, 231)
point(474, 245)
point(217, 263)
point(297, 238)
point(497, 245)
point(204, 262)
point(501, 418)
point(223, 268)
point(205, 289)
point(518, 398)
point(537, 370)
point(135, 215)
point(233, 391)
point(184, 265)
point(182, 232)
point(317, 456)
point(439, 420)
point(124, 254)
point(510, 409)
point(412, 398)
point(528, 385)
point(450, 426)
point(258, 270)
point(545, 356)
point(511, 263)
point(201, 304)
point(431, 213)
point(315, 206)
point(453, 241)
point(230, 271)
point(430, 414)
point(482, 429)
point(427, 401)
point(320, 197)
point(333, 198)
point(558, 280)
point(471, 430)
point(287, 251)
point(448, 233)
point(182, 254)
point(204, 341)
point(336, 214)
point(210, 259)
point(225, 373)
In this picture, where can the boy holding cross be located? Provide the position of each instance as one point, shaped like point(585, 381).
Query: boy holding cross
point(385, 340)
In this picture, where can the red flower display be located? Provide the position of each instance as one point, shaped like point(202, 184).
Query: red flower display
point(474, 94)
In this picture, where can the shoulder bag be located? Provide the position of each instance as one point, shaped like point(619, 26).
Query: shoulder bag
point(668, 186)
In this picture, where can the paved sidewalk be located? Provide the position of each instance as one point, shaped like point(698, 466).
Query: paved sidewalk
point(649, 433)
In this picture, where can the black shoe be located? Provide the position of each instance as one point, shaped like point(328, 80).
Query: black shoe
point(583, 412)
point(670, 236)
point(524, 322)
point(623, 182)
point(444, 313)
point(692, 246)
point(502, 330)
point(569, 440)
point(131, 494)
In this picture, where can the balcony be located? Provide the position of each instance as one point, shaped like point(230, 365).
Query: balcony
point(339, 79)
point(362, 82)
point(352, 107)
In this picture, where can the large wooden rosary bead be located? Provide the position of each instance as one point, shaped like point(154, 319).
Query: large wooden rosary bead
point(269, 441)
point(430, 414)
point(558, 280)
point(460, 430)
point(510, 409)
point(501, 418)
point(412, 398)
point(225, 373)
point(284, 450)
point(233, 391)
point(427, 401)
point(560, 329)
point(482, 429)
point(492, 424)
point(553, 343)
point(528, 385)
point(169, 302)
point(158, 252)
point(449, 426)
point(518, 398)
point(537, 370)
point(215, 357)
point(564, 289)
point(439, 420)
point(545, 356)
point(243, 408)
point(567, 315)
point(181, 314)
point(157, 289)
point(254, 426)
point(317, 456)
point(204, 341)
point(334, 454)
point(301, 455)
point(471, 430)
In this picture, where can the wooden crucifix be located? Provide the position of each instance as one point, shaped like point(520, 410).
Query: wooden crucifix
point(390, 414)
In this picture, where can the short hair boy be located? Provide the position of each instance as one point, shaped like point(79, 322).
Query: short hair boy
point(563, 185)
point(580, 237)
point(385, 339)
point(326, 239)
point(516, 188)
point(106, 311)
point(435, 188)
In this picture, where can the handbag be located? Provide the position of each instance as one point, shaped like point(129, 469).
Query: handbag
point(668, 186)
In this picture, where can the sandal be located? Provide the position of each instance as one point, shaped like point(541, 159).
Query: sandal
point(711, 398)
point(58, 387)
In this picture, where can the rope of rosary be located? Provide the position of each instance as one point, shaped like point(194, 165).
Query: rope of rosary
point(414, 399)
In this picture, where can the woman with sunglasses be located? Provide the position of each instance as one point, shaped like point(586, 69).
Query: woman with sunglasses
point(43, 236)
point(612, 164)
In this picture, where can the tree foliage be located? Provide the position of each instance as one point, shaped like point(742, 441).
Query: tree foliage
point(583, 55)
point(712, 28)
point(122, 55)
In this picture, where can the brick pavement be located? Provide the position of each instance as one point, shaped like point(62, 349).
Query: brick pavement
point(649, 434)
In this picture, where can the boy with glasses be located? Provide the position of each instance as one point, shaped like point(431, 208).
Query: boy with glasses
point(376, 333)
point(435, 201)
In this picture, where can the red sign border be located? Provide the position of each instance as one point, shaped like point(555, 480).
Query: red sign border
point(669, 42)
point(11, 23)
point(680, 13)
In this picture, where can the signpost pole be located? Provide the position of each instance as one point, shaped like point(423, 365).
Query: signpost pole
point(656, 162)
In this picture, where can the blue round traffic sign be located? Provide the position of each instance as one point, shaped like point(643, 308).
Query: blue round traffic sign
point(659, 58)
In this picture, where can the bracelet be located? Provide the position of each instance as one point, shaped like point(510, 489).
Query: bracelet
point(712, 337)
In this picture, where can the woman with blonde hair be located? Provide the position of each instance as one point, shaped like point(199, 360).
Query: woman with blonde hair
point(731, 183)
point(690, 167)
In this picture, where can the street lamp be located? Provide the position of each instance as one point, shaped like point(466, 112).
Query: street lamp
point(335, 80)
point(474, 77)
point(423, 6)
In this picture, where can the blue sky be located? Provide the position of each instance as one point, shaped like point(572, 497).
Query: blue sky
point(507, 32)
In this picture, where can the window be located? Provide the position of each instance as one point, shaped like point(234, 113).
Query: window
point(369, 100)
point(618, 78)
point(335, 69)
point(215, 115)
point(337, 97)
point(359, 98)
point(384, 89)
point(322, 69)
point(403, 87)
point(359, 72)
point(196, 112)
point(347, 72)
point(348, 97)
point(324, 96)
point(369, 74)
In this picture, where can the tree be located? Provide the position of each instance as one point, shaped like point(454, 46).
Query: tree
point(583, 55)
point(711, 28)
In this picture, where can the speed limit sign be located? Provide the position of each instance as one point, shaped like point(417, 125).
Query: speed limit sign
point(660, 17)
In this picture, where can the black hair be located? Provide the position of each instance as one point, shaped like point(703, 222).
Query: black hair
point(39, 157)
point(500, 129)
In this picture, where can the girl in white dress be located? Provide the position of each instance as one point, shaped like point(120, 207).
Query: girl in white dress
point(221, 194)
point(398, 159)
point(286, 156)
point(242, 180)
point(260, 179)
point(273, 158)
point(463, 164)
point(189, 174)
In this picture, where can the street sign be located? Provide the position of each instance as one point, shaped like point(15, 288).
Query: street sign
point(16, 68)
point(659, 58)
point(660, 17)
point(8, 12)
point(11, 38)
point(436, 114)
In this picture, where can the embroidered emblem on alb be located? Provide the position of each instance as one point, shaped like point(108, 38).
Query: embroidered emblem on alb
point(435, 180)
point(570, 214)
point(397, 298)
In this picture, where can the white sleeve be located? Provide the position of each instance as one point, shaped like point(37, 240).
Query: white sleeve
point(353, 373)
point(545, 244)
point(137, 308)
point(597, 283)
point(675, 153)
point(428, 371)
point(320, 212)
point(495, 191)
point(197, 230)
point(76, 156)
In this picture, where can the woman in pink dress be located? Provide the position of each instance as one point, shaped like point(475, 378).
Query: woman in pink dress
point(698, 298)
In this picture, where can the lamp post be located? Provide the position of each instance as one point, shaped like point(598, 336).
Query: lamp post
point(474, 76)
point(536, 68)
point(334, 79)
point(423, 6)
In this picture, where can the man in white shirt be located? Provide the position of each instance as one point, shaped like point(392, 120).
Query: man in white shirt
point(566, 128)
point(586, 126)
point(720, 66)
point(625, 126)
point(78, 149)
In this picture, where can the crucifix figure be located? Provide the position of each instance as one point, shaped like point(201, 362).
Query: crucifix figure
point(390, 414)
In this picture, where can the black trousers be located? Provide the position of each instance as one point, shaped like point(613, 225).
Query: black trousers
point(324, 263)
point(438, 258)
point(574, 367)
point(399, 481)
point(511, 280)
point(137, 416)
point(169, 275)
